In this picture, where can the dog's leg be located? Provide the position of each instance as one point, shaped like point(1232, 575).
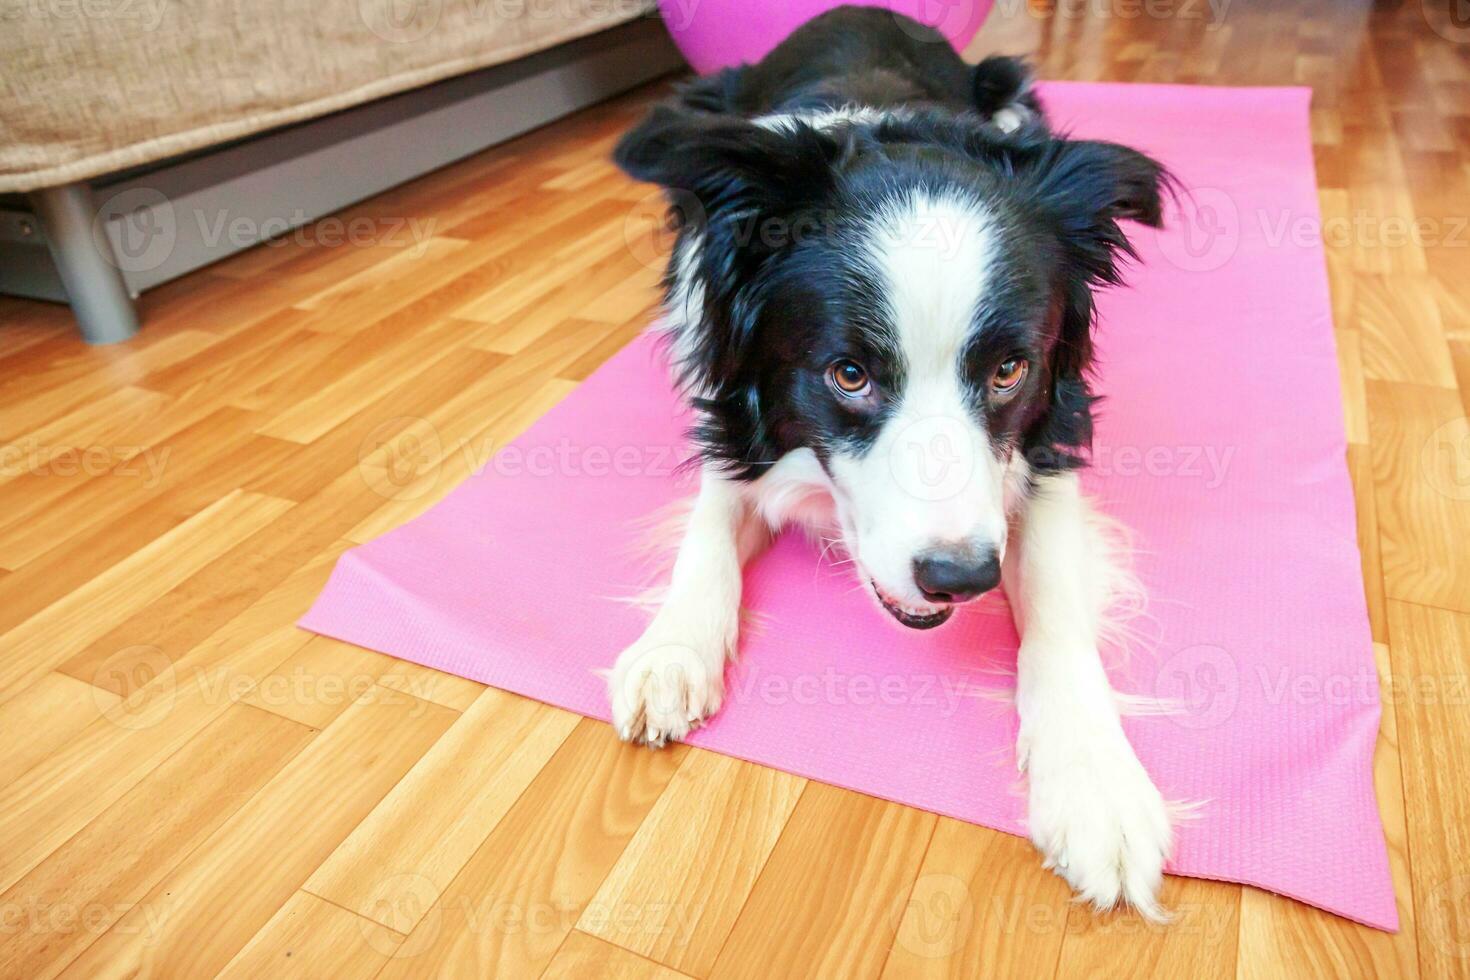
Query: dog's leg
point(1093, 811)
point(673, 678)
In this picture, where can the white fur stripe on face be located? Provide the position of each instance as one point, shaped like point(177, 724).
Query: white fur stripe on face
point(935, 254)
point(930, 479)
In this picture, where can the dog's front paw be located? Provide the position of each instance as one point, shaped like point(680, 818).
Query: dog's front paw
point(661, 689)
point(1095, 815)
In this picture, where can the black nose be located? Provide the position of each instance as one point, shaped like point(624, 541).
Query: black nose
point(947, 577)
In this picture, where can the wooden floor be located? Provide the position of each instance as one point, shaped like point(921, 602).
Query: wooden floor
point(189, 785)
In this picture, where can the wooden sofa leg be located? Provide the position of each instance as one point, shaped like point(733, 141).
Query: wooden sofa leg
point(94, 283)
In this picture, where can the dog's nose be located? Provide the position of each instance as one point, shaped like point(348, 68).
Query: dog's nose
point(956, 577)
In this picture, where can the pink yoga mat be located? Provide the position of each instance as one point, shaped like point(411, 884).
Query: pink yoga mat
point(1220, 444)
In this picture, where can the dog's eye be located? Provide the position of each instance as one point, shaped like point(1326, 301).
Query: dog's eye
point(1008, 376)
point(850, 379)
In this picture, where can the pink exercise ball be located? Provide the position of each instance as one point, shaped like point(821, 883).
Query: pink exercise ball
point(715, 34)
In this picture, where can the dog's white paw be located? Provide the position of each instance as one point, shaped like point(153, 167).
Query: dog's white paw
point(662, 689)
point(1095, 815)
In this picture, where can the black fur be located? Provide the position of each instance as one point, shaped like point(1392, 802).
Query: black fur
point(862, 55)
point(781, 213)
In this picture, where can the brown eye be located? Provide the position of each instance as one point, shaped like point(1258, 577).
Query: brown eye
point(849, 378)
point(1008, 377)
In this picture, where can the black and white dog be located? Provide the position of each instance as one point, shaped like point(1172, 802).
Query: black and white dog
point(880, 303)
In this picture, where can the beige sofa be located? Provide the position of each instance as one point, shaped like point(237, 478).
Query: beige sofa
point(94, 90)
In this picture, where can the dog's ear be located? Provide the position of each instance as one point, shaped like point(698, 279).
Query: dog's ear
point(726, 162)
point(740, 193)
point(1090, 185)
point(1085, 188)
point(1000, 88)
point(719, 92)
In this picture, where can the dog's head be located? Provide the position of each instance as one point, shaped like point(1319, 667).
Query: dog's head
point(908, 297)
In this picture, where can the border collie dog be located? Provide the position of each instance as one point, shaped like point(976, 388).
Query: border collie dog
point(879, 305)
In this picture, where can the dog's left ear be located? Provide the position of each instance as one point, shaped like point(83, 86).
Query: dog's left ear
point(1090, 185)
point(1085, 188)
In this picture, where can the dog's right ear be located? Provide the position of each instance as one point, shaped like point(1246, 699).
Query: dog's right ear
point(725, 178)
point(1002, 93)
point(727, 162)
point(719, 92)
